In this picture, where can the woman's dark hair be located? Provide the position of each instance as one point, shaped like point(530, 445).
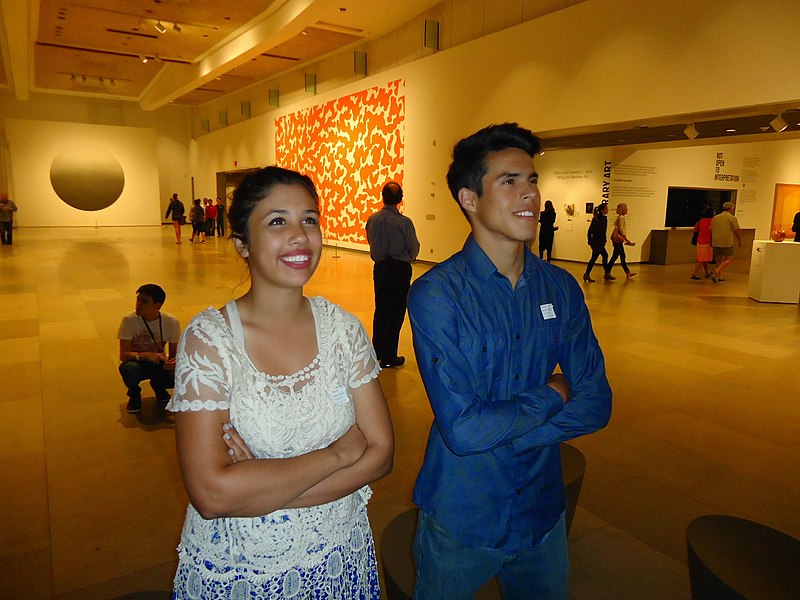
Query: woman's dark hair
point(257, 186)
point(548, 206)
point(708, 212)
point(469, 155)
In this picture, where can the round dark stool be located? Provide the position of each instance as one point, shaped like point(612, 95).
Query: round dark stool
point(573, 468)
point(398, 565)
point(735, 559)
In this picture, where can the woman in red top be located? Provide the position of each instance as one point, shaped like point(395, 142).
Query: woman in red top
point(211, 217)
point(704, 253)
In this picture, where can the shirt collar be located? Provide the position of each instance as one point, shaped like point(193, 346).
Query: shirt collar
point(482, 266)
point(391, 208)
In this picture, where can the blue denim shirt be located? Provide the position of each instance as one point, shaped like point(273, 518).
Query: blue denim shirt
point(492, 470)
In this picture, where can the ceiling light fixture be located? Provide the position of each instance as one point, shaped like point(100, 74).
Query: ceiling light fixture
point(143, 58)
point(160, 28)
point(691, 131)
point(778, 124)
point(176, 28)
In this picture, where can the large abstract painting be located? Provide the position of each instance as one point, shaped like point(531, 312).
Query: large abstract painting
point(350, 147)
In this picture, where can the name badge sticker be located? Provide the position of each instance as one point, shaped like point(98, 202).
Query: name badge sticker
point(547, 311)
point(340, 396)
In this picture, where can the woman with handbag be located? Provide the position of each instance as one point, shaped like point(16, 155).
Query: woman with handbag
point(596, 237)
point(619, 239)
point(704, 253)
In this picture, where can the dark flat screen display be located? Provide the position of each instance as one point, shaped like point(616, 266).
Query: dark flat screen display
point(685, 205)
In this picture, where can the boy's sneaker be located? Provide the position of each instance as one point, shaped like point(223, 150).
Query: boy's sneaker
point(134, 405)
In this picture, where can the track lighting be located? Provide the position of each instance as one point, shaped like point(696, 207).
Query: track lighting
point(160, 28)
point(176, 28)
point(778, 124)
point(690, 131)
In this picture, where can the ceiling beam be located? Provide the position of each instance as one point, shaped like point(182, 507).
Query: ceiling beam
point(272, 28)
point(19, 19)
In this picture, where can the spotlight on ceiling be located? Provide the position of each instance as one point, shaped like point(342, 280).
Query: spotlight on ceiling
point(176, 28)
point(690, 131)
point(160, 28)
point(778, 124)
point(143, 58)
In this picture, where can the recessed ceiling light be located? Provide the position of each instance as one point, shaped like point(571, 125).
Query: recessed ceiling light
point(730, 130)
point(160, 28)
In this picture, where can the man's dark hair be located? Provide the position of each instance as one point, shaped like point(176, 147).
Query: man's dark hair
point(254, 188)
point(155, 292)
point(392, 193)
point(469, 155)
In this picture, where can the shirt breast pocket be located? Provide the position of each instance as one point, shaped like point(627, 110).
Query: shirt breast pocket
point(488, 355)
point(549, 336)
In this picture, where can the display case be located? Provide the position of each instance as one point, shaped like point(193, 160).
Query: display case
point(775, 272)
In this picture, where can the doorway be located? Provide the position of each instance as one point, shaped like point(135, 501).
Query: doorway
point(785, 207)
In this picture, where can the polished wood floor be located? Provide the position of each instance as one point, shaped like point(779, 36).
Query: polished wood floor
point(706, 415)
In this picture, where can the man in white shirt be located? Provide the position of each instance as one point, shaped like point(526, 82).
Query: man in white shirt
point(724, 228)
point(142, 336)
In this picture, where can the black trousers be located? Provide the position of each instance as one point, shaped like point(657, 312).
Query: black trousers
point(598, 251)
point(391, 278)
point(6, 229)
point(619, 252)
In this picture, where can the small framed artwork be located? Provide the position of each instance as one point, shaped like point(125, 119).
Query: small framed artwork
point(589, 208)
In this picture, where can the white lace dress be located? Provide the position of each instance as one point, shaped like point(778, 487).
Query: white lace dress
point(319, 552)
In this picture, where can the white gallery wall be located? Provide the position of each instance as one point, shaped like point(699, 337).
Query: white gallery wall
point(594, 63)
point(172, 126)
point(34, 147)
point(641, 178)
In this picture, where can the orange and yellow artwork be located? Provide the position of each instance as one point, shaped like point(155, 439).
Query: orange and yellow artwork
point(350, 147)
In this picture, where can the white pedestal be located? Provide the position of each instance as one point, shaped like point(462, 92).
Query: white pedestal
point(775, 272)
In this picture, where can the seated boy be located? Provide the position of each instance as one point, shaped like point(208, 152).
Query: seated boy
point(142, 336)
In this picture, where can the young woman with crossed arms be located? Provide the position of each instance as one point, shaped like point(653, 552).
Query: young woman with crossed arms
point(280, 420)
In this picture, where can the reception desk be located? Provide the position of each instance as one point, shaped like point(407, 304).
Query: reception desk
point(775, 272)
point(674, 246)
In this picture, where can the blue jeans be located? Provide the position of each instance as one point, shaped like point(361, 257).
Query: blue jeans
point(448, 570)
point(134, 372)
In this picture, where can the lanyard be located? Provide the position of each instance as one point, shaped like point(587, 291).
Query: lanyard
point(160, 332)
